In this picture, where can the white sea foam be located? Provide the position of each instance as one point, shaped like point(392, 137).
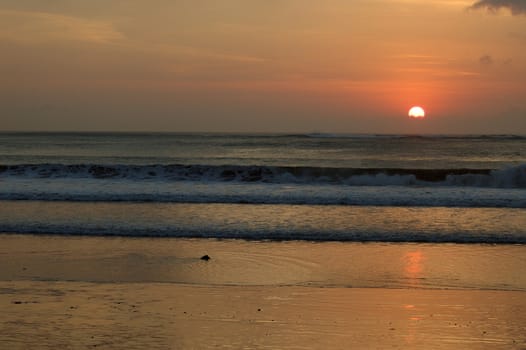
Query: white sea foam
point(511, 177)
point(108, 190)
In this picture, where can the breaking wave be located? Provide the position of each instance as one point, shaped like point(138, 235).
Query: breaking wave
point(510, 177)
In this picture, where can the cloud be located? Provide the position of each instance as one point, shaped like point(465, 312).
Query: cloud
point(34, 27)
point(30, 27)
point(517, 7)
point(486, 60)
point(507, 62)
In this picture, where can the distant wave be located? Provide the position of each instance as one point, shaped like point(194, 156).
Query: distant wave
point(414, 136)
point(510, 177)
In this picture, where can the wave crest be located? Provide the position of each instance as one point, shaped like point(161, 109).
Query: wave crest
point(510, 177)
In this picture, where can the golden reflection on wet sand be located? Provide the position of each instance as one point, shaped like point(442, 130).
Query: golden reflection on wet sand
point(122, 293)
point(414, 267)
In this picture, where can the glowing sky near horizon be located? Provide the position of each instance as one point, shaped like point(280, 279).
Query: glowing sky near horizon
point(263, 66)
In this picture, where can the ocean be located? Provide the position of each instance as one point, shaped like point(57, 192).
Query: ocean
point(309, 187)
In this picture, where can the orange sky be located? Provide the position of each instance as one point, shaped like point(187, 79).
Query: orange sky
point(282, 66)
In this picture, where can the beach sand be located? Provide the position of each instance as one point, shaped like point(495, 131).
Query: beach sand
point(125, 293)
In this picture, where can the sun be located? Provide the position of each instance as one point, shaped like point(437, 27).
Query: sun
point(417, 112)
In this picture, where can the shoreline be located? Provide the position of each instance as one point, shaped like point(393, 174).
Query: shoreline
point(265, 263)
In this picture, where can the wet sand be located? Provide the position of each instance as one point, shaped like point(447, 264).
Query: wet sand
point(140, 316)
point(123, 293)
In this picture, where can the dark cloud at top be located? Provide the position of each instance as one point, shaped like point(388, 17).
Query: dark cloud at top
point(517, 7)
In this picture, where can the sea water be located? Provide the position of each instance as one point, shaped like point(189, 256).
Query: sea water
point(318, 187)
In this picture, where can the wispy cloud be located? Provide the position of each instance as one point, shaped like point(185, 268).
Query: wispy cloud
point(31, 27)
point(196, 52)
point(517, 7)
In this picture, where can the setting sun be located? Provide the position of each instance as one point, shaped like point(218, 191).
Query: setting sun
point(417, 112)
